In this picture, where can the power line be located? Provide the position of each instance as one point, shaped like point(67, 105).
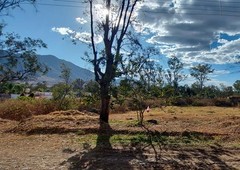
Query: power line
point(59, 5)
point(191, 13)
point(210, 1)
point(214, 6)
point(212, 10)
point(67, 1)
point(229, 13)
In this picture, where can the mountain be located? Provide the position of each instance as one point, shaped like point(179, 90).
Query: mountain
point(54, 63)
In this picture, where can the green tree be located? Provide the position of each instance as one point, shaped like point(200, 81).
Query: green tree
point(40, 86)
point(200, 73)
point(138, 99)
point(61, 90)
point(174, 74)
point(10, 88)
point(211, 91)
point(77, 86)
point(226, 90)
point(92, 87)
point(18, 58)
point(141, 83)
point(236, 86)
point(160, 76)
point(91, 93)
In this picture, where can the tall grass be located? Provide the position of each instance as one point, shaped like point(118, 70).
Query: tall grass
point(19, 109)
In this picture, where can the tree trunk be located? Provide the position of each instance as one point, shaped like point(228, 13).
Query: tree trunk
point(105, 101)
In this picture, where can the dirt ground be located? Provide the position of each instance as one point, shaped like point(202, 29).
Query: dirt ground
point(175, 138)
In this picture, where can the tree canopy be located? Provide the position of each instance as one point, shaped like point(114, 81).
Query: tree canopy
point(200, 73)
point(18, 58)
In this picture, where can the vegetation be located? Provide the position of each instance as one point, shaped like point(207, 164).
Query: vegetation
point(200, 73)
point(174, 74)
point(141, 85)
point(135, 92)
point(236, 85)
point(25, 107)
point(61, 90)
point(18, 59)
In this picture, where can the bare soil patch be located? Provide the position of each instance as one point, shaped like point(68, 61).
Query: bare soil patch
point(182, 138)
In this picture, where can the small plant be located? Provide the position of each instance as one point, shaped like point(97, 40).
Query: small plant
point(140, 107)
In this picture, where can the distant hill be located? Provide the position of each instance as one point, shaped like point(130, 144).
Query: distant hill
point(54, 63)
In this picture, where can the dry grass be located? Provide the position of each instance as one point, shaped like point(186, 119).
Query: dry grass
point(22, 109)
point(183, 138)
point(216, 121)
point(222, 123)
point(56, 122)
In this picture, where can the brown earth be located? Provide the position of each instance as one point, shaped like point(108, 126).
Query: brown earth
point(74, 140)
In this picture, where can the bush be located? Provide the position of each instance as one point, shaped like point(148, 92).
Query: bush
point(117, 108)
point(68, 103)
point(203, 102)
point(182, 102)
point(24, 107)
point(14, 110)
point(223, 103)
point(89, 103)
point(41, 106)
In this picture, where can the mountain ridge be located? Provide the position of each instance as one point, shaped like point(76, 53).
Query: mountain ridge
point(54, 64)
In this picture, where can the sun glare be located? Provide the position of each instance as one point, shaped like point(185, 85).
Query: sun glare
point(101, 11)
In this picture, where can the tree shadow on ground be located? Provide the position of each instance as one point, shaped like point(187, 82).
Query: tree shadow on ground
point(146, 155)
point(103, 156)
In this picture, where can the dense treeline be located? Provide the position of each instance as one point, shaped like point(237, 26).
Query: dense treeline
point(149, 84)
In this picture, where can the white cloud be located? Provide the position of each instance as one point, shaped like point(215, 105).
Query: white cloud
point(222, 41)
point(81, 20)
point(181, 27)
point(84, 37)
point(62, 30)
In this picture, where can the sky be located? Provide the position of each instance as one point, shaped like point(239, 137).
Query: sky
point(196, 31)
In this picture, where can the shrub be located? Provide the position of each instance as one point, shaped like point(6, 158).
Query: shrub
point(24, 107)
point(14, 110)
point(223, 103)
point(203, 102)
point(41, 106)
point(89, 103)
point(117, 108)
point(181, 102)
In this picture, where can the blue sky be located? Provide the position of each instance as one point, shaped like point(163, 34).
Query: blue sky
point(193, 30)
point(39, 24)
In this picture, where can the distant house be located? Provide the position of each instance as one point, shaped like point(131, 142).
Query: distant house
point(45, 95)
point(14, 96)
point(4, 96)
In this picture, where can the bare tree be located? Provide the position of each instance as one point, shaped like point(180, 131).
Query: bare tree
point(114, 28)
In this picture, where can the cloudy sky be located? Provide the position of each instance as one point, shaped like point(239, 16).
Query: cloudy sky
point(196, 31)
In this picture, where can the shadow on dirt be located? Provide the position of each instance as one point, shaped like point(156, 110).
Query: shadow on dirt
point(103, 156)
point(152, 153)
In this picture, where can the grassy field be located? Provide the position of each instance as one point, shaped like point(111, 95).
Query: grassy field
point(171, 138)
